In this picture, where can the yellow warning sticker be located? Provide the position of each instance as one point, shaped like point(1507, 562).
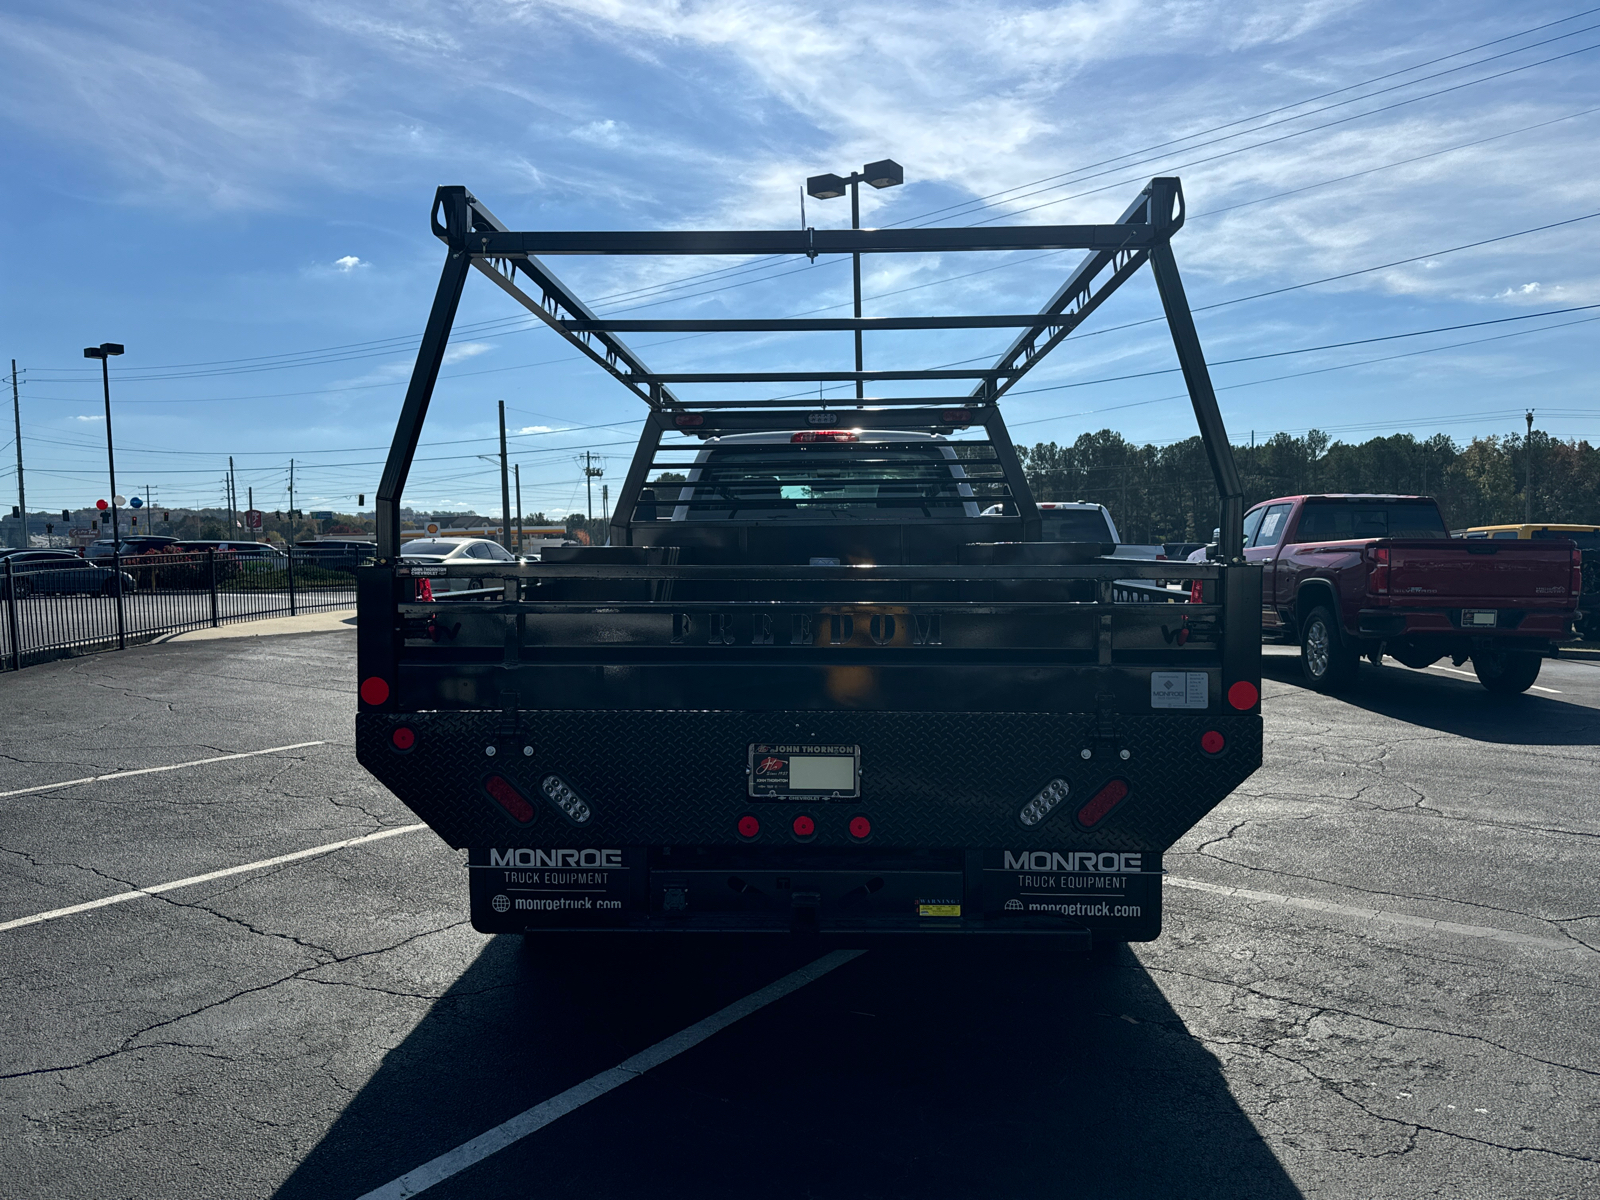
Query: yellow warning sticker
point(937, 908)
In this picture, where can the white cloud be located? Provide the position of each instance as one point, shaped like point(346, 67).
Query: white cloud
point(90, 417)
point(600, 133)
point(535, 429)
point(464, 350)
point(348, 263)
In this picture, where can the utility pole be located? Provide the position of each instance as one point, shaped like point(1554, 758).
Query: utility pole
point(590, 473)
point(517, 469)
point(605, 504)
point(250, 503)
point(291, 502)
point(22, 493)
point(505, 485)
point(1527, 490)
point(233, 500)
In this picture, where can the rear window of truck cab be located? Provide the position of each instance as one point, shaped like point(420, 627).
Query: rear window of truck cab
point(784, 480)
point(1074, 525)
point(1344, 520)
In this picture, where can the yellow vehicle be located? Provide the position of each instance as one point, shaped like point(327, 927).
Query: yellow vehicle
point(1587, 537)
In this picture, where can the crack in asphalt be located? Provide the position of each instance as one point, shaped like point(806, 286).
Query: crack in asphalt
point(128, 1044)
point(1370, 891)
point(1337, 1086)
point(1320, 1009)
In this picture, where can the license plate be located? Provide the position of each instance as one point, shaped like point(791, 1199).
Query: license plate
point(1484, 617)
point(809, 772)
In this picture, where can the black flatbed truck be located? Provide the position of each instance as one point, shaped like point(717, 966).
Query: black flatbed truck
point(778, 703)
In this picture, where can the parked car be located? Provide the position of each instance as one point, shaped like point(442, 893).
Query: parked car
point(129, 546)
point(454, 552)
point(1371, 575)
point(59, 571)
point(336, 554)
point(238, 550)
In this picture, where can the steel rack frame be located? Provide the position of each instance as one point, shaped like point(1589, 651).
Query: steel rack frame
point(475, 238)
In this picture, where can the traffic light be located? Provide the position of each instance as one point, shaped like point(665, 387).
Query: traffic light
point(66, 517)
point(166, 516)
point(15, 511)
point(361, 500)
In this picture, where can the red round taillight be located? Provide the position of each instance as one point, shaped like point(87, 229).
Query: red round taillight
point(403, 738)
point(1212, 742)
point(804, 826)
point(749, 826)
point(860, 828)
point(374, 690)
point(1243, 695)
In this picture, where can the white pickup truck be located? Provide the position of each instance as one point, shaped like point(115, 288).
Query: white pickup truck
point(1078, 521)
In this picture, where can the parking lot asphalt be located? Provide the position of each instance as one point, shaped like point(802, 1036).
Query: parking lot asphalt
point(1377, 978)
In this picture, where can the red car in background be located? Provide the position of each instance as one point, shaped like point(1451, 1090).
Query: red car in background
point(1352, 576)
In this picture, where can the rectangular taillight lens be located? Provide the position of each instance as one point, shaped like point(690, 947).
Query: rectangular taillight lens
point(1577, 572)
point(1378, 572)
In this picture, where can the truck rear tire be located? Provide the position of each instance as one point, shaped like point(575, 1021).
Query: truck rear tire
point(1507, 672)
point(1328, 662)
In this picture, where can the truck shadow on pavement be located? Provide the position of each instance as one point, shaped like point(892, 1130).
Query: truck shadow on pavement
point(1455, 704)
point(955, 1073)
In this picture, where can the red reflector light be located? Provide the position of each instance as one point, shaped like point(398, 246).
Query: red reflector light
point(1101, 803)
point(1195, 591)
point(749, 827)
point(374, 690)
point(689, 419)
point(509, 798)
point(955, 416)
point(1243, 695)
point(824, 435)
point(1212, 742)
point(403, 738)
point(860, 827)
point(1577, 572)
point(424, 591)
point(804, 826)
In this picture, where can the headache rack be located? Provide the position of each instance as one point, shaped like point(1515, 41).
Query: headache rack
point(477, 239)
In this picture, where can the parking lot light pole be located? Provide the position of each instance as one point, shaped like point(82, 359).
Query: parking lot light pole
point(884, 173)
point(105, 351)
point(1527, 487)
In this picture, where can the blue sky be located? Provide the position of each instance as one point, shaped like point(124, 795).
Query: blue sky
point(240, 195)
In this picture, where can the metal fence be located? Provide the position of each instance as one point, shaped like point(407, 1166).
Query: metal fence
point(57, 604)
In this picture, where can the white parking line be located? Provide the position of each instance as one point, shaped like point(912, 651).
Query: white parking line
point(158, 888)
point(199, 762)
point(453, 1162)
point(1532, 687)
point(1427, 924)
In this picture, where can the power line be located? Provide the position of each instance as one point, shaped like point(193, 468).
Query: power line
point(381, 346)
point(1387, 337)
point(1366, 362)
point(984, 201)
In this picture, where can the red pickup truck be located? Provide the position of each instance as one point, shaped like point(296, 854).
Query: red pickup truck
point(1354, 575)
